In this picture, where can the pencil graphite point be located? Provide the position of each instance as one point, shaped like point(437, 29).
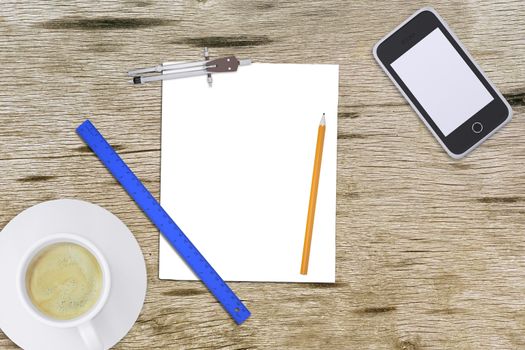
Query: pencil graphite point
point(323, 120)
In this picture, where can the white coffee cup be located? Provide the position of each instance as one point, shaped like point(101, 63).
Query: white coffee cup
point(83, 322)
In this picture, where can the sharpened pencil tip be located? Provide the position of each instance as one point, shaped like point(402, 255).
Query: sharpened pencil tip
point(323, 120)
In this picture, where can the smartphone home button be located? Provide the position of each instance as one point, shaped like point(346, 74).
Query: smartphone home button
point(477, 127)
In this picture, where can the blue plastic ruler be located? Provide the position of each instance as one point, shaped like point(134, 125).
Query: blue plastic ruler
point(151, 207)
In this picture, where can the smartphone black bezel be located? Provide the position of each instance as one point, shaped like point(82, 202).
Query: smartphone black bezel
point(464, 137)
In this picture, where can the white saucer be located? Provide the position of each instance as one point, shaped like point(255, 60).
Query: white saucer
point(114, 240)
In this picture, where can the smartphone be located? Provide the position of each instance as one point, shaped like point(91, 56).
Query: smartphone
point(442, 83)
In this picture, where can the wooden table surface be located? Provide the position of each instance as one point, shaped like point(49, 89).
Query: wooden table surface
point(430, 251)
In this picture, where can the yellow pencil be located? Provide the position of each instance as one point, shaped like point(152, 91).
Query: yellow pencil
point(313, 196)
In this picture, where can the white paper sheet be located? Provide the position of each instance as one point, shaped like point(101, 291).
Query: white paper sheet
point(236, 170)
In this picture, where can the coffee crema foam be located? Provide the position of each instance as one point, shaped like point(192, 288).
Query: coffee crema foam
point(64, 281)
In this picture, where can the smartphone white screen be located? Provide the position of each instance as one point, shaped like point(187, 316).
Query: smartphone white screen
point(441, 81)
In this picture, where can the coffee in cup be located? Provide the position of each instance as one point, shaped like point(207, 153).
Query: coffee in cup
point(64, 281)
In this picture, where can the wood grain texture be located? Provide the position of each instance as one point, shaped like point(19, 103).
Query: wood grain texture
point(430, 251)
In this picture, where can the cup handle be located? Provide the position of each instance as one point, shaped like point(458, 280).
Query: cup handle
point(90, 336)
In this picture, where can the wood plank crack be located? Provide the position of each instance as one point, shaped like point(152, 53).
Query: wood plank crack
point(226, 41)
point(104, 23)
